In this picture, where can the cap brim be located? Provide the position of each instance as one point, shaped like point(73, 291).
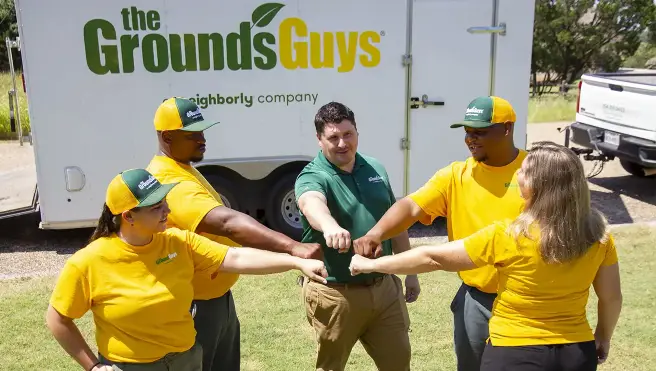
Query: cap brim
point(199, 126)
point(472, 124)
point(158, 195)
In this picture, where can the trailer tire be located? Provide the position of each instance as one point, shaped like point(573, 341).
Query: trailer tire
point(281, 210)
point(633, 168)
point(222, 186)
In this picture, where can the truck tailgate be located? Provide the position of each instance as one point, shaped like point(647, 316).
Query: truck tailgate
point(623, 103)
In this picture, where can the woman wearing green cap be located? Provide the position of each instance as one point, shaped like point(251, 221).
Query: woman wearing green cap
point(136, 278)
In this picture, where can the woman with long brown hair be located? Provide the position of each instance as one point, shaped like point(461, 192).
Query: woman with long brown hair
point(546, 259)
point(135, 276)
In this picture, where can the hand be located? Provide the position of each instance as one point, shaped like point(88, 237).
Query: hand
point(337, 238)
point(360, 264)
point(307, 251)
point(102, 368)
point(368, 246)
point(412, 288)
point(603, 348)
point(314, 269)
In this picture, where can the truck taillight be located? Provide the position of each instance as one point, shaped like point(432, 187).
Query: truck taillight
point(578, 97)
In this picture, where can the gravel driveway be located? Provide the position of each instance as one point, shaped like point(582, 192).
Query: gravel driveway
point(26, 251)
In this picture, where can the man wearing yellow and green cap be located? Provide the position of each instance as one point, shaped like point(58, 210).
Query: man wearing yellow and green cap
point(197, 207)
point(471, 195)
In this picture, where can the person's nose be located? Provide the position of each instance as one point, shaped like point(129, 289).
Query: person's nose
point(470, 137)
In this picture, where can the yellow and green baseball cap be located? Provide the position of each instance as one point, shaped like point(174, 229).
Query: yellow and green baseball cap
point(484, 112)
point(180, 114)
point(135, 188)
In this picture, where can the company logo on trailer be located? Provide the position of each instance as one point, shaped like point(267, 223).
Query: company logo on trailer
point(293, 46)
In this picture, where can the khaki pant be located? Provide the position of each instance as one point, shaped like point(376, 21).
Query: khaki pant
point(376, 315)
point(190, 360)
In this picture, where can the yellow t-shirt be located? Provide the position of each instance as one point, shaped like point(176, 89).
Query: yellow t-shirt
point(189, 202)
point(538, 303)
point(472, 195)
point(140, 296)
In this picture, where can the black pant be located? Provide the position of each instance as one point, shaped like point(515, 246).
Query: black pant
point(217, 331)
point(560, 357)
point(472, 310)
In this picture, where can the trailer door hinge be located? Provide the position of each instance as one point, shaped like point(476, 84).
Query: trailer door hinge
point(405, 143)
point(406, 59)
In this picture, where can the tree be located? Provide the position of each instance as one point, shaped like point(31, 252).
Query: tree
point(573, 36)
point(8, 28)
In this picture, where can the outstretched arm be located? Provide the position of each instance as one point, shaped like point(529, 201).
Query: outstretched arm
point(314, 206)
point(401, 216)
point(448, 257)
point(245, 230)
point(246, 260)
point(396, 221)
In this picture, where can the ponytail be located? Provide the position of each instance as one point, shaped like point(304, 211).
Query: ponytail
point(108, 224)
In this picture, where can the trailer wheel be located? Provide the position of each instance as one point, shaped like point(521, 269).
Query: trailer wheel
point(633, 168)
point(222, 186)
point(281, 211)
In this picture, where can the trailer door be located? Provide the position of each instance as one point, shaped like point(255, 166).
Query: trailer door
point(450, 67)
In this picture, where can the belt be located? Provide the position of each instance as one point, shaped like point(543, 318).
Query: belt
point(361, 283)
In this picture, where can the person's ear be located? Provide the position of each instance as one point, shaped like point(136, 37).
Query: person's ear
point(128, 217)
point(167, 137)
point(508, 128)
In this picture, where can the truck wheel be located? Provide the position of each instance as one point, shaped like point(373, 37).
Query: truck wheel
point(282, 212)
point(633, 168)
point(221, 185)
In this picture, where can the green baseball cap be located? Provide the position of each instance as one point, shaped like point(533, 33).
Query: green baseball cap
point(135, 188)
point(484, 112)
point(180, 114)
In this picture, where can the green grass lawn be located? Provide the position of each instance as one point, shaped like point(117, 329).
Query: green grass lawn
point(5, 86)
point(276, 335)
point(552, 108)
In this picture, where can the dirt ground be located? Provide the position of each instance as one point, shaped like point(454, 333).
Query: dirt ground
point(17, 175)
point(26, 251)
point(622, 198)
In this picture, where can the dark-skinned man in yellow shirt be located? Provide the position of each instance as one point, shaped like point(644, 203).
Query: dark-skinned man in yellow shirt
point(197, 207)
point(471, 194)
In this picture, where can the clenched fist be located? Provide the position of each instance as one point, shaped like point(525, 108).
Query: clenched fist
point(307, 251)
point(368, 246)
point(337, 238)
point(360, 265)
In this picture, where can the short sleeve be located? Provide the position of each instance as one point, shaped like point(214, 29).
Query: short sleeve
point(309, 180)
point(206, 254)
point(610, 257)
point(432, 196)
point(71, 296)
point(482, 245)
point(189, 203)
point(389, 186)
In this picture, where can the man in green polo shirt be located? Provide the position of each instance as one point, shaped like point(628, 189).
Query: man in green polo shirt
point(341, 195)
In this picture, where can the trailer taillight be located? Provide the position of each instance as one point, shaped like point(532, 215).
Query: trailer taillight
point(578, 97)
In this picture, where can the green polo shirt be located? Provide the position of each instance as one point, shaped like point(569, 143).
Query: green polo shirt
point(356, 200)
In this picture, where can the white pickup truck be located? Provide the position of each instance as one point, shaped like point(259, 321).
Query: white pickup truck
point(616, 116)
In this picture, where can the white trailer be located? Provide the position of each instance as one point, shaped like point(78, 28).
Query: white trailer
point(97, 70)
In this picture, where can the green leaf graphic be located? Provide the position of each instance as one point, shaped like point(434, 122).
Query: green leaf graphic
point(264, 14)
